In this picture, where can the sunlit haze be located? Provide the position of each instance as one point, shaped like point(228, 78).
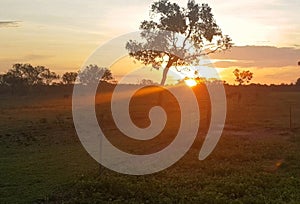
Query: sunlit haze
point(62, 34)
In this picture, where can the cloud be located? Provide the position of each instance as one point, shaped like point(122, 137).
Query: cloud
point(257, 56)
point(35, 57)
point(8, 24)
point(27, 58)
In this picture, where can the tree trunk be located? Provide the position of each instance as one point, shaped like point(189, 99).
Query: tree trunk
point(164, 77)
point(165, 73)
point(163, 81)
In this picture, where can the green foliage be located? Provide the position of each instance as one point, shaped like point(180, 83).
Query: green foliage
point(202, 36)
point(43, 161)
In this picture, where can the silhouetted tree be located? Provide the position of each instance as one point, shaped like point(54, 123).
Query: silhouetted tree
point(93, 74)
point(147, 82)
point(27, 75)
point(69, 77)
point(202, 36)
point(1, 79)
point(242, 77)
point(200, 80)
point(298, 82)
point(10, 80)
point(47, 77)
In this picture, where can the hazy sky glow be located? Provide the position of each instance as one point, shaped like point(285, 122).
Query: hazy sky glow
point(61, 34)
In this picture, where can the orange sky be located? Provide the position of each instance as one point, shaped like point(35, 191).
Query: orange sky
point(62, 34)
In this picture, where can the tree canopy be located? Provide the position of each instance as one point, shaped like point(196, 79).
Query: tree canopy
point(162, 47)
point(23, 75)
point(147, 82)
point(69, 77)
point(298, 82)
point(28, 75)
point(242, 77)
point(93, 74)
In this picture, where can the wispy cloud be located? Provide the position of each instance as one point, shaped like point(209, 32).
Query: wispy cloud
point(30, 57)
point(258, 56)
point(36, 57)
point(8, 24)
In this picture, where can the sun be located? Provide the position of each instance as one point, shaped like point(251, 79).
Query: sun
point(190, 82)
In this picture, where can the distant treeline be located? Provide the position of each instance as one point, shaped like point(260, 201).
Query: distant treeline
point(28, 75)
point(22, 78)
point(25, 77)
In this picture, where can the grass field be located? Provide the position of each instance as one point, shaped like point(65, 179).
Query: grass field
point(256, 160)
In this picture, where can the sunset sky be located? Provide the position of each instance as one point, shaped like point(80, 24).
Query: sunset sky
point(61, 34)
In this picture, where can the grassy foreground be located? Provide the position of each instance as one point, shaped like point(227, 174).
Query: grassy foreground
point(256, 160)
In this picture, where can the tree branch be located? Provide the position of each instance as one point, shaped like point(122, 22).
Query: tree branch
point(207, 53)
point(187, 37)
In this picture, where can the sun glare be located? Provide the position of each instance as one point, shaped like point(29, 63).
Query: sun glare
point(190, 82)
